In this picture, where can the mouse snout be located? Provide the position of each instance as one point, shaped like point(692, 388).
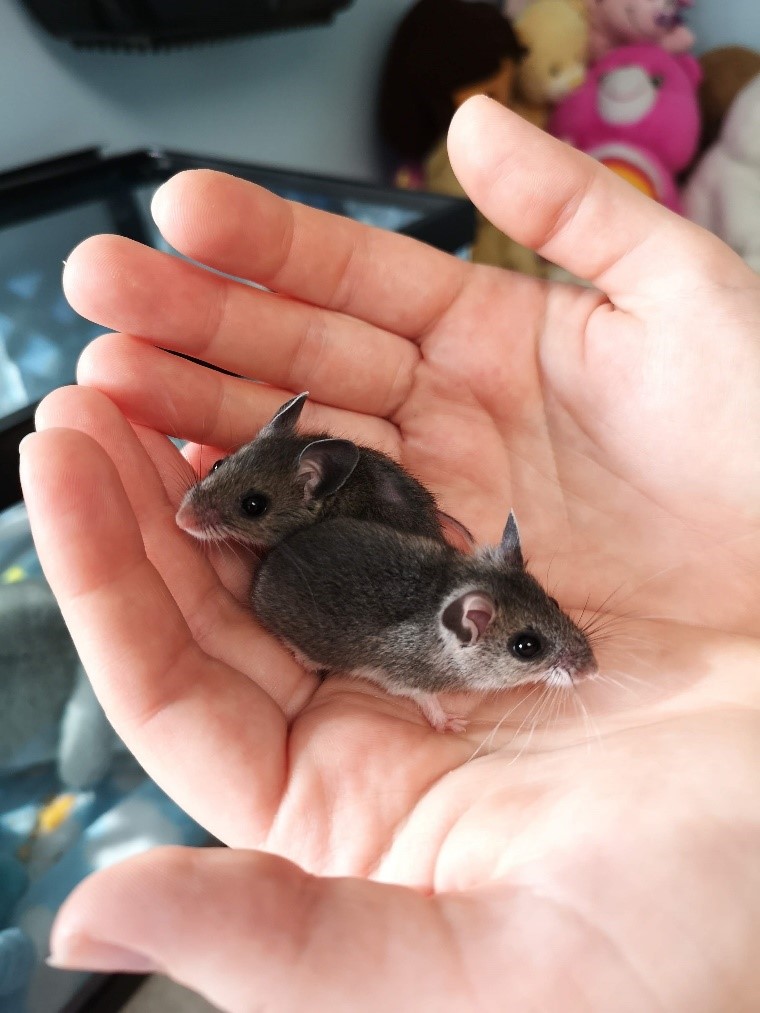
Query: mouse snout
point(580, 667)
point(586, 670)
point(197, 520)
point(569, 669)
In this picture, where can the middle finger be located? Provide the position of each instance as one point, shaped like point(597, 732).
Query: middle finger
point(343, 361)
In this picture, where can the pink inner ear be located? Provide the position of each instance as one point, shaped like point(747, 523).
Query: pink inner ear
point(477, 615)
point(310, 475)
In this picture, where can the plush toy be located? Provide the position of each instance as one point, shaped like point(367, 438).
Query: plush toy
point(723, 192)
point(616, 23)
point(637, 113)
point(555, 35)
point(442, 52)
point(725, 71)
point(47, 706)
point(17, 953)
point(18, 958)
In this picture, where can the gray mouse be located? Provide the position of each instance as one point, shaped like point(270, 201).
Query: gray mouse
point(284, 481)
point(416, 616)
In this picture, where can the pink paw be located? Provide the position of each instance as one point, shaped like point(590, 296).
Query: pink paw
point(452, 723)
point(437, 716)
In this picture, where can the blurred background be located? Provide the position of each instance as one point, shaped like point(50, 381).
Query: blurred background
point(302, 99)
point(340, 104)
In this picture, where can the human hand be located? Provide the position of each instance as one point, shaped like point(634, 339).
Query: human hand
point(559, 866)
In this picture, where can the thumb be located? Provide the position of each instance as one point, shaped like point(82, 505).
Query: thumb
point(252, 931)
point(548, 196)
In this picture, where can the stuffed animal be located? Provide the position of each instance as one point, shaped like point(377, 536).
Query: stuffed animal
point(723, 192)
point(17, 953)
point(18, 958)
point(47, 706)
point(725, 71)
point(637, 113)
point(442, 52)
point(616, 23)
point(555, 35)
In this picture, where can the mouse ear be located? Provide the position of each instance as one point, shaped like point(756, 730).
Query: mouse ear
point(456, 534)
point(287, 415)
point(469, 616)
point(325, 465)
point(509, 549)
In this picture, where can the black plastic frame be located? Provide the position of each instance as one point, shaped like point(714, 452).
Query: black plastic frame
point(137, 24)
point(83, 176)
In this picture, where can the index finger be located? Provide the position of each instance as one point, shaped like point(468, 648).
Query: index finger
point(211, 737)
point(237, 227)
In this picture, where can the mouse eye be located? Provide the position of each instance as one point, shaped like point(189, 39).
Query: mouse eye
point(217, 464)
point(554, 602)
point(254, 504)
point(526, 645)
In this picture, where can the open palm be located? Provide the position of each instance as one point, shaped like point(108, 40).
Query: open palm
point(583, 837)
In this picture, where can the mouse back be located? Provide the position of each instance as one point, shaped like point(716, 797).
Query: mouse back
point(364, 598)
point(341, 592)
point(284, 481)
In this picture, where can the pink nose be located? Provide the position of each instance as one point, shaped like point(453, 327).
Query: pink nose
point(587, 671)
point(194, 521)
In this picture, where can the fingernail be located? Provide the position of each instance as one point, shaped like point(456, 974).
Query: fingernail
point(78, 952)
point(25, 440)
point(155, 201)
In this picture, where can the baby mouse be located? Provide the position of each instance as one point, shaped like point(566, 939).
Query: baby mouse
point(415, 616)
point(283, 481)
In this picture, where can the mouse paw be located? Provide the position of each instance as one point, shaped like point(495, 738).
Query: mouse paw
point(437, 716)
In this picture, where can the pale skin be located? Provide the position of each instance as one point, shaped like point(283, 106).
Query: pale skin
point(605, 860)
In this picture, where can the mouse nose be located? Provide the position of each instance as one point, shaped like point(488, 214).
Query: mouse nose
point(196, 521)
point(585, 669)
point(578, 665)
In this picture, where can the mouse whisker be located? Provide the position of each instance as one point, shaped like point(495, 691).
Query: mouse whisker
point(588, 721)
point(488, 740)
point(583, 610)
point(548, 571)
point(534, 713)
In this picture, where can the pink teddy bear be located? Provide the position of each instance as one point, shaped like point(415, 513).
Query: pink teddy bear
point(615, 23)
point(637, 112)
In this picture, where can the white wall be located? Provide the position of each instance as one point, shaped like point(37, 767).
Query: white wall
point(301, 99)
point(725, 22)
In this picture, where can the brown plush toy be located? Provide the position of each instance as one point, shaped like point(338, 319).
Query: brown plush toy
point(443, 52)
point(556, 36)
point(725, 71)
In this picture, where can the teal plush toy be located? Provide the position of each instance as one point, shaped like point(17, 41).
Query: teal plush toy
point(47, 707)
point(17, 952)
point(17, 962)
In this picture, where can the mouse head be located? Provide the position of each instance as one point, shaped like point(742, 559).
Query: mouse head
point(505, 630)
point(269, 488)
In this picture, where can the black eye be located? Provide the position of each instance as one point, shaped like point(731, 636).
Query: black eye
point(554, 602)
point(254, 504)
point(526, 645)
point(657, 80)
point(217, 464)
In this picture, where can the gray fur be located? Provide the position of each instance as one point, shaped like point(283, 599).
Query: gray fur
point(362, 598)
point(369, 486)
